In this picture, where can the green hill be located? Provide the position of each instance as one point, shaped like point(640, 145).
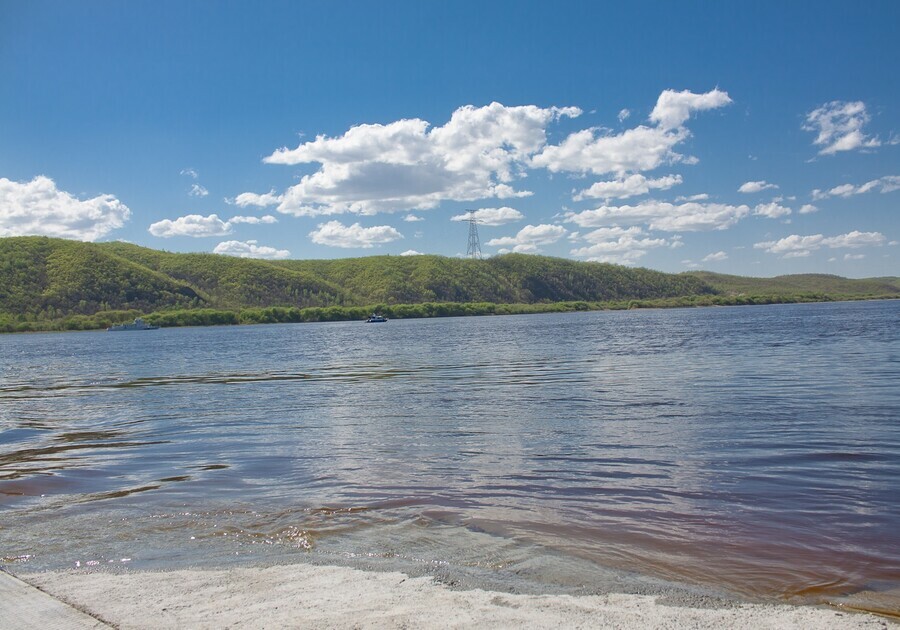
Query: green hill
point(509, 279)
point(48, 283)
point(799, 284)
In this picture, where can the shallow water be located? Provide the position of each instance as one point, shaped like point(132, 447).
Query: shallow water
point(751, 449)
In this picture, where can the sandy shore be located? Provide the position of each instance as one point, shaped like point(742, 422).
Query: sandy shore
point(306, 596)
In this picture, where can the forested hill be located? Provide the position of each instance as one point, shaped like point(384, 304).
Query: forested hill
point(45, 279)
point(807, 283)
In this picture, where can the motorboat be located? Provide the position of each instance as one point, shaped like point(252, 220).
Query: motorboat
point(137, 324)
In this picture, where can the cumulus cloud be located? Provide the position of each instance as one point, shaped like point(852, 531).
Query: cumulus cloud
point(198, 226)
point(854, 256)
point(772, 210)
point(838, 126)
point(259, 200)
point(755, 187)
point(641, 148)
point(808, 208)
point(796, 246)
point(624, 246)
point(336, 234)
point(697, 197)
point(408, 164)
point(886, 184)
point(249, 249)
point(411, 218)
point(530, 237)
point(491, 216)
point(715, 257)
point(411, 252)
point(198, 191)
point(190, 173)
point(267, 219)
point(623, 114)
point(660, 215)
point(630, 186)
point(480, 153)
point(39, 207)
point(673, 109)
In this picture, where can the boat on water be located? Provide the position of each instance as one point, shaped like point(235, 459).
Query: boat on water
point(138, 324)
point(376, 319)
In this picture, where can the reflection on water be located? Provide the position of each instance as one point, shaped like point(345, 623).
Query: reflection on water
point(751, 447)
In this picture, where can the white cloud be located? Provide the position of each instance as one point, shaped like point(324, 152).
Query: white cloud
point(630, 186)
point(198, 191)
point(267, 219)
point(638, 149)
point(39, 207)
point(697, 197)
point(659, 215)
point(854, 256)
point(492, 216)
point(412, 252)
point(673, 109)
point(480, 153)
point(624, 114)
point(771, 210)
point(530, 237)
point(190, 173)
point(411, 218)
point(808, 208)
point(755, 187)
point(838, 126)
point(198, 226)
point(406, 165)
point(336, 234)
point(715, 257)
point(250, 249)
point(255, 199)
point(886, 184)
point(642, 148)
point(795, 246)
point(619, 245)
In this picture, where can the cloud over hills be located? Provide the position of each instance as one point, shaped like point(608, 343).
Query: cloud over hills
point(39, 207)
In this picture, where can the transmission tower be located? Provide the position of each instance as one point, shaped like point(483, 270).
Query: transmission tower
point(474, 248)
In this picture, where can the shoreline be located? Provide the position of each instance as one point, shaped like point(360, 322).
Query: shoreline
point(330, 596)
point(200, 318)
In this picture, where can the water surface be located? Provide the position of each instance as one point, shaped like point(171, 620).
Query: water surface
point(751, 449)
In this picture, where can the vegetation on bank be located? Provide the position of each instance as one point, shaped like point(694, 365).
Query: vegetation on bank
point(56, 284)
point(285, 315)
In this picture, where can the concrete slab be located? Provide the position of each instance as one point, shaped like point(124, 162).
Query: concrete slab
point(23, 607)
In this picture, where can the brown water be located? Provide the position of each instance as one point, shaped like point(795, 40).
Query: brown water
point(753, 450)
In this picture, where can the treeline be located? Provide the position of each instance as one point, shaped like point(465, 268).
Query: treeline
point(286, 315)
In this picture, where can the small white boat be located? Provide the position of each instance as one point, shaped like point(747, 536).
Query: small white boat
point(376, 319)
point(138, 324)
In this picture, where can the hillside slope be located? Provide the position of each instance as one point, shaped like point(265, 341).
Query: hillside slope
point(812, 283)
point(48, 279)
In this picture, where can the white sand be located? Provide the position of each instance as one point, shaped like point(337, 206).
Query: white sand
point(306, 596)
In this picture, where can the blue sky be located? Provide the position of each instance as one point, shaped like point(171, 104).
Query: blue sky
point(757, 139)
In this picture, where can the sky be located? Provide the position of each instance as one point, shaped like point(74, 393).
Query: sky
point(753, 138)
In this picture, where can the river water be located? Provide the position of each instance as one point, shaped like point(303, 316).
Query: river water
point(749, 450)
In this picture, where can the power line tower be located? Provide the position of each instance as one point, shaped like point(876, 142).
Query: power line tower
point(474, 248)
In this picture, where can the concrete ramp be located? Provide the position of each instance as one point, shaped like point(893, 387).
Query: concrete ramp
point(23, 607)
